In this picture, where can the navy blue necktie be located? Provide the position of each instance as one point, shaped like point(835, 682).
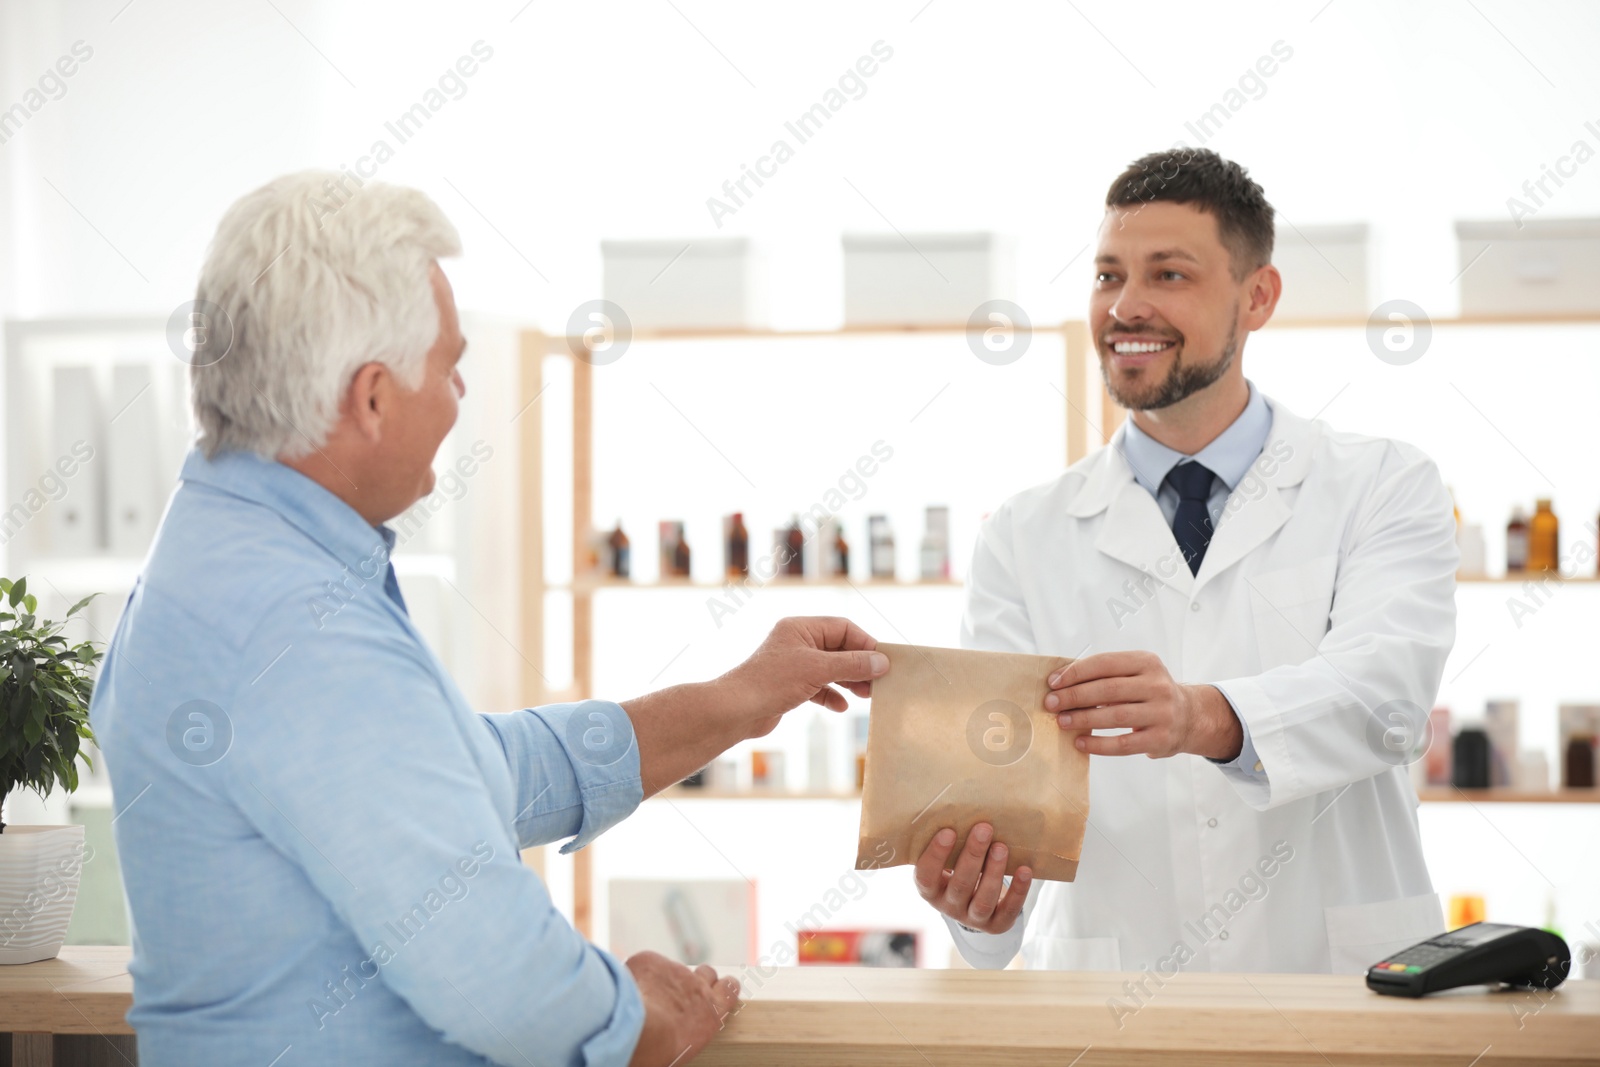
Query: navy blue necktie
point(1191, 525)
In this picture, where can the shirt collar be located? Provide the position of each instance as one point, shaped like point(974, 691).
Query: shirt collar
point(309, 507)
point(1228, 456)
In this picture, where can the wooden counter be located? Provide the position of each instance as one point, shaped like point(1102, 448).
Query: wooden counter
point(863, 1017)
point(820, 1016)
point(85, 991)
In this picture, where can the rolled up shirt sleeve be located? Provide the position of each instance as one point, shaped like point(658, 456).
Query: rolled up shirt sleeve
point(576, 767)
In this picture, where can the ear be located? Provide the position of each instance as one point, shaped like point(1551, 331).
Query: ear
point(369, 399)
point(1263, 288)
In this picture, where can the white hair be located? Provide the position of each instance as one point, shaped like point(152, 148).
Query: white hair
point(314, 282)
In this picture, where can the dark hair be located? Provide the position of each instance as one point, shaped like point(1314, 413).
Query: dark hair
point(1215, 185)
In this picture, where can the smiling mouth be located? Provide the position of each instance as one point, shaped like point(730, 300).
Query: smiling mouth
point(1135, 348)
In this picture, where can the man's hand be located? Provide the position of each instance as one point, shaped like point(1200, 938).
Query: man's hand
point(973, 892)
point(1114, 689)
point(683, 728)
point(799, 661)
point(683, 1009)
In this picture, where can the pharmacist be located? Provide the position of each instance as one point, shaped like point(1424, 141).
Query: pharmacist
point(319, 836)
point(1261, 606)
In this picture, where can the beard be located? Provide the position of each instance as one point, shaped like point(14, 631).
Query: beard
point(1182, 380)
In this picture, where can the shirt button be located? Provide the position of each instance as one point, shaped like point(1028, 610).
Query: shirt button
point(1194, 605)
point(1223, 935)
point(1211, 822)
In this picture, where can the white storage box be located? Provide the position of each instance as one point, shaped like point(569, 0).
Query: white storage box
point(924, 278)
point(1324, 271)
point(1545, 266)
point(706, 282)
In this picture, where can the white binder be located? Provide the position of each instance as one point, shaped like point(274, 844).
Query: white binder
point(77, 419)
point(132, 458)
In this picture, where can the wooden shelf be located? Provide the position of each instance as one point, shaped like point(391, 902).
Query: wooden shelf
point(591, 584)
point(1451, 795)
point(560, 343)
point(1526, 576)
point(679, 792)
point(1089, 415)
point(1432, 795)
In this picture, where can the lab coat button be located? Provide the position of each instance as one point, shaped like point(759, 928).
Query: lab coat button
point(1211, 822)
point(1223, 935)
point(1194, 605)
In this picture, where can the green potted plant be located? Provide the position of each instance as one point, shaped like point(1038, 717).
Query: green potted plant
point(45, 683)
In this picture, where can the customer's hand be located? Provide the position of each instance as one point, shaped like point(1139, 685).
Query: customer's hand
point(799, 661)
point(683, 1009)
point(972, 892)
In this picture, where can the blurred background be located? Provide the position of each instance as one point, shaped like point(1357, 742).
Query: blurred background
point(1433, 166)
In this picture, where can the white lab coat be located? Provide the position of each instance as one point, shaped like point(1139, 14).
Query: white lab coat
point(1324, 607)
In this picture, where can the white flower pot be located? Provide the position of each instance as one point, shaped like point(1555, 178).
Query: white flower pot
point(39, 871)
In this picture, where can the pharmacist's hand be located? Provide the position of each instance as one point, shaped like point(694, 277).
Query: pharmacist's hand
point(683, 1009)
point(1135, 689)
point(972, 891)
point(799, 661)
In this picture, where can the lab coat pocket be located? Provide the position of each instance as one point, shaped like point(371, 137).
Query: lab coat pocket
point(1360, 935)
point(1290, 608)
point(1073, 954)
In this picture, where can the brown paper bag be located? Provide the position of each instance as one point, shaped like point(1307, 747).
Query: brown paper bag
point(958, 737)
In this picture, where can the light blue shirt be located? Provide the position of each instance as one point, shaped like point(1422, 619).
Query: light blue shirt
point(318, 836)
point(1229, 457)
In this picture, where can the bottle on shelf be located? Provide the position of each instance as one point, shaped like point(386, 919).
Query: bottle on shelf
point(880, 539)
point(1470, 543)
point(818, 777)
point(1466, 909)
point(821, 552)
point(840, 554)
point(1544, 539)
point(674, 550)
point(935, 553)
point(1517, 542)
point(680, 556)
point(736, 540)
point(860, 727)
point(1577, 762)
point(766, 769)
point(793, 540)
point(619, 551)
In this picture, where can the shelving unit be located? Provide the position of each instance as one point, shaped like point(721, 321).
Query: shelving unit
point(1084, 394)
point(1431, 795)
point(1438, 795)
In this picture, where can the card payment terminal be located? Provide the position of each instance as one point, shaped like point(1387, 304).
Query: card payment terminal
point(1474, 955)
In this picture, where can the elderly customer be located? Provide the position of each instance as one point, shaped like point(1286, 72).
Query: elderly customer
point(318, 836)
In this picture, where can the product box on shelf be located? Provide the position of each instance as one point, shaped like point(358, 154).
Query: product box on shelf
point(704, 282)
point(929, 278)
point(1324, 271)
point(1529, 266)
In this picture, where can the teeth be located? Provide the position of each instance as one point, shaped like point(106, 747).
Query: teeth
point(1134, 347)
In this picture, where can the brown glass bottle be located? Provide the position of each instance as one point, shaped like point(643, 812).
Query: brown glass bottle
point(680, 558)
point(795, 542)
point(1517, 542)
point(1544, 539)
point(620, 552)
point(738, 547)
point(1578, 763)
point(841, 554)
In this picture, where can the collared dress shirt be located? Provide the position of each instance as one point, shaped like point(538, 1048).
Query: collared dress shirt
point(318, 836)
